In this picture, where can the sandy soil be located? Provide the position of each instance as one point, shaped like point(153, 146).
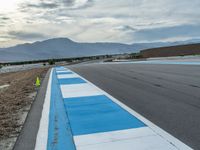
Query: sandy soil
point(16, 98)
point(16, 68)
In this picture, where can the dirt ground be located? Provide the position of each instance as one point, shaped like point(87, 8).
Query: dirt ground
point(17, 92)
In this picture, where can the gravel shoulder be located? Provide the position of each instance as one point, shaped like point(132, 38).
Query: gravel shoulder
point(17, 93)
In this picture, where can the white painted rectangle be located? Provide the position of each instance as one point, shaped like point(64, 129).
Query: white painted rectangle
point(79, 90)
point(63, 71)
point(111, 136)
point(63, 76)
point(152, 142)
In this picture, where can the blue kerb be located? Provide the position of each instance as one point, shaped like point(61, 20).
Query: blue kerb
point(71, 81)
point(59, 132)
point(95, 114)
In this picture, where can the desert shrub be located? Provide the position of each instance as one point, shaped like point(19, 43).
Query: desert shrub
point(51, 62)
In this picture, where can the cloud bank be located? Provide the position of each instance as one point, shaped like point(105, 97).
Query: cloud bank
point(125, 21)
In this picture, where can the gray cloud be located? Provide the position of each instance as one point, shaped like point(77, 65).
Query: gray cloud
point(77, 4)
point(68, 3)
point(102, 20)
point(126, 28)
point(59, 4)
point(43, 5)
point(5, 37)
point(164, 33)
point(88, 3)
point(4, 18)
point(22, 35)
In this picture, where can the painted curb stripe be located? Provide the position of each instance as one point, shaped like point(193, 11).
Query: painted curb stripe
point(140, 139)
point(64, 72)
point(78, 90)
point(54, 130)
point(104, 137)
point(60, 69)
point(64, 76)
point(59, 134)
point(140, 143)
point(71, 81)
point(98, 114)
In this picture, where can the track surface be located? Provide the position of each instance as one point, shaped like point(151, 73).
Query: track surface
point(167, 95)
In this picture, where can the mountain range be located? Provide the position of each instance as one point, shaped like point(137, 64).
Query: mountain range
point(66, 48)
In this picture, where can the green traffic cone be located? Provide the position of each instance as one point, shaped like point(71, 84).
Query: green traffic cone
point(37, 83)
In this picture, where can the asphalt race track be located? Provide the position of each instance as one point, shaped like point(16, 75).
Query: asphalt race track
point(166, 94)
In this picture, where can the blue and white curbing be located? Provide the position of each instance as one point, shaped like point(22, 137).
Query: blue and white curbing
point(96, 120)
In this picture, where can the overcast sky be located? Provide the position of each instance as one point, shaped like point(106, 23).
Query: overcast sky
point(125, 21)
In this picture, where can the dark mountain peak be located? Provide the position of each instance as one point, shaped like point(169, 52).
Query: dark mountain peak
point(60, 39)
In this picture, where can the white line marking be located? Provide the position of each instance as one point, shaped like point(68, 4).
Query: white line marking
point(79, 90)
point(42, 135)
point(112, 136)
point(149, 142)
point(63, 71)
point(160, 132)
point(65, 76)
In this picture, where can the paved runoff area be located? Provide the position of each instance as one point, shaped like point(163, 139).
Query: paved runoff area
point(77, 115)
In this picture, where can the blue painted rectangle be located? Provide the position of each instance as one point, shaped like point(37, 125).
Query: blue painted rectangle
point(95, 114)
point(71, 81)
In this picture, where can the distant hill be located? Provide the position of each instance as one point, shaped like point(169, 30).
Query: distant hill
point(66, 48)
point(180, 50)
